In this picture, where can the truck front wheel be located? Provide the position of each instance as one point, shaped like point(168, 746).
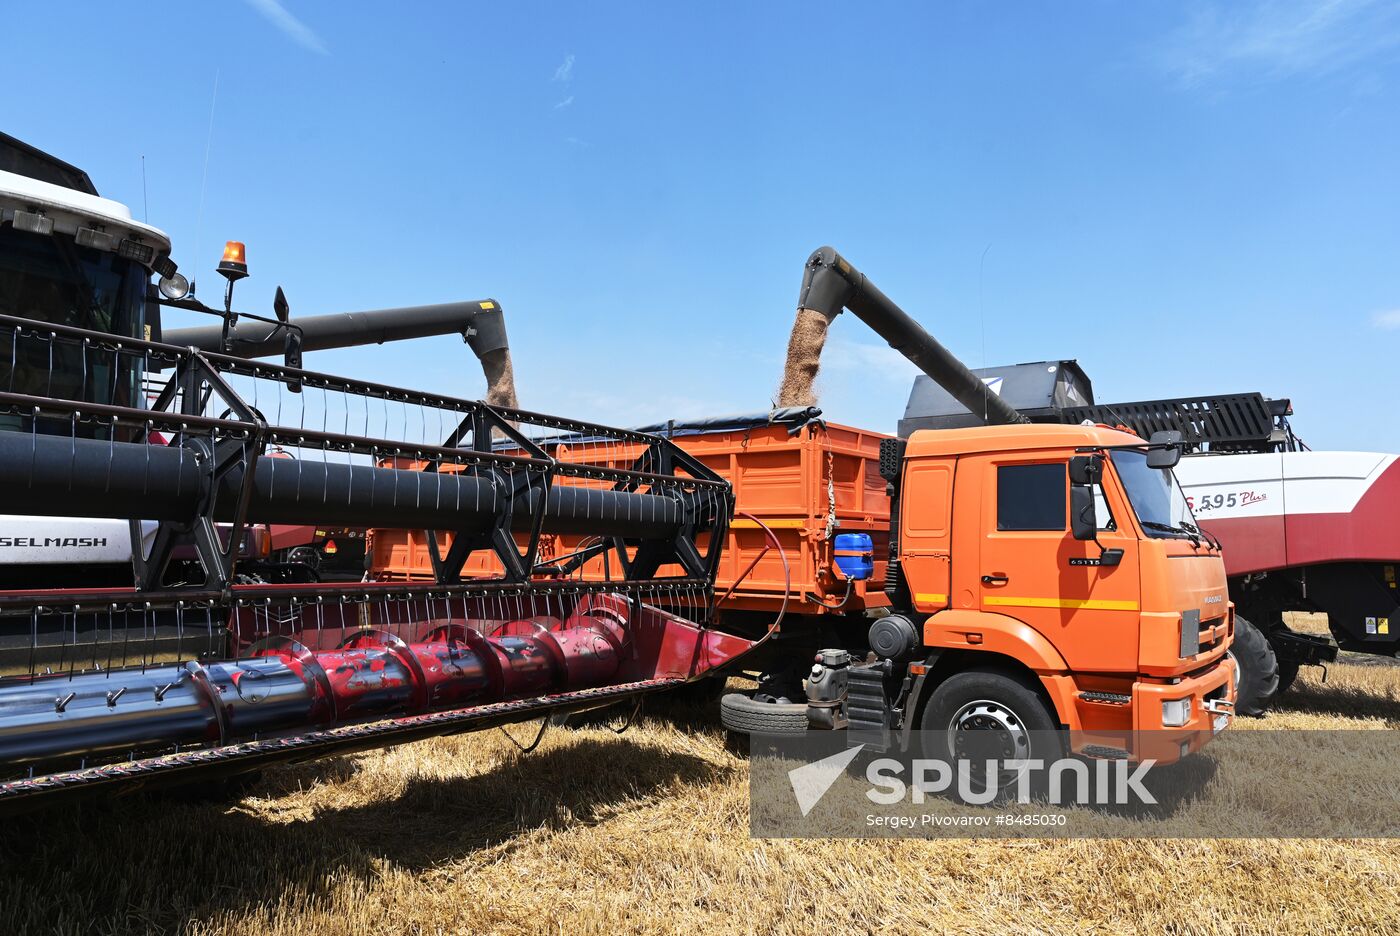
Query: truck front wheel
point(979, 714)
point(1258, 669)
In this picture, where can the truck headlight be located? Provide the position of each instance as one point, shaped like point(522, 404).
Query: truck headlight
point(1176, 712)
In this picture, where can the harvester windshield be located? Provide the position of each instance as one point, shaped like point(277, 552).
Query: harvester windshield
point(52, 279)
point(1155, 495)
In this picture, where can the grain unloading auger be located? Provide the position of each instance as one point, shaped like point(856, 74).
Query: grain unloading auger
point(160, 683)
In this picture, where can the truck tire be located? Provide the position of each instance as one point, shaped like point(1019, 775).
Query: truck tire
point(1258, 668)
point(1017, 721)
point(741, 714)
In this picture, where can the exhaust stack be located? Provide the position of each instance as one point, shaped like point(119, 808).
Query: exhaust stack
point(829, 285)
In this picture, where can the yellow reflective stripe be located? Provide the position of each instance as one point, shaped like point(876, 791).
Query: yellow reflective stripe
point(1076, 604)
point(930, 598)
point(487, 305)
point(742, 524)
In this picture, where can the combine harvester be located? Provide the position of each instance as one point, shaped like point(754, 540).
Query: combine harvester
point(535, 566)
point(186, 673)
point(1302, 530)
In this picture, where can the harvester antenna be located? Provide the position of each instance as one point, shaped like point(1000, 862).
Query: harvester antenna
point(982, 321)
point(204, 181)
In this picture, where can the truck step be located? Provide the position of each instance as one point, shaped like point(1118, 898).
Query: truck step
point(866, 710)
point(1107, 698)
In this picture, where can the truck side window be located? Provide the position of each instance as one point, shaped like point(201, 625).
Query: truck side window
point(1031, 497)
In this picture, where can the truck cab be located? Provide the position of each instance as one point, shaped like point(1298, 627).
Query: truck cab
point(1060, 559)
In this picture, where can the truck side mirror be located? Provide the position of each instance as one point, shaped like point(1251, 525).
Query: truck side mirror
point(1083, 523)
point(1166, 449)
point(1086, 469)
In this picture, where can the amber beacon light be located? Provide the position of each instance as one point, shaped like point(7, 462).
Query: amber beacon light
point(234, 265)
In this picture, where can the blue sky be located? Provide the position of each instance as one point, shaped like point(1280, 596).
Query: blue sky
point(1185, 197)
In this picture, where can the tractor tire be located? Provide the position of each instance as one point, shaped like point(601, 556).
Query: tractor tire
point(740, 714)
point(1258, 669)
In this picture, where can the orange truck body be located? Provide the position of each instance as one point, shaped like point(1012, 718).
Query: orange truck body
point(799, 489)
point(1102, 641)
point(1093, 635)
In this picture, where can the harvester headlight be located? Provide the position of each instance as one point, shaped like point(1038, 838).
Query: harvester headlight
point(95, 238)
point(34, 222)
point(1176, 712)
point(135, 250)
point(174, 287)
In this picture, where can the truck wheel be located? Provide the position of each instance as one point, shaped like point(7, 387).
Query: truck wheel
point(743, 715)
point(981, 714)
point(1258, 669)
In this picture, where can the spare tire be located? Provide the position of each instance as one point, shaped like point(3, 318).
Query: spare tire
point(1258, 669)
point(741, 714)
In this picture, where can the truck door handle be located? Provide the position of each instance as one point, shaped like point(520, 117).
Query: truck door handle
point(996, 578)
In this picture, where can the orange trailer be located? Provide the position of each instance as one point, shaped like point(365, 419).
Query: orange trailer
point(797, 482)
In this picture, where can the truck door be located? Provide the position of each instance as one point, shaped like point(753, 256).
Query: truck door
point(1029, 569)
point(925, 531)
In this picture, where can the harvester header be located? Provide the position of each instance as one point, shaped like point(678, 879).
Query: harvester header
point(182, 674)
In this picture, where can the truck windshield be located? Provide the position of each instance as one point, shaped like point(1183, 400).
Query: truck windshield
point(52, 279)
point(1156, 497)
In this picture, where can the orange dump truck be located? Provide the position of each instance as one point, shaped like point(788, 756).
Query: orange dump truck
point(1011, 577)
point(1030, 569)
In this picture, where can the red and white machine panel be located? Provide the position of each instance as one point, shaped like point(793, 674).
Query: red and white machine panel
point(1282, 509)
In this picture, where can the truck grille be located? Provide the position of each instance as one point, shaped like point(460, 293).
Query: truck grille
point(1212, 634)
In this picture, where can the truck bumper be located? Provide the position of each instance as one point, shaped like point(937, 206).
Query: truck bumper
point(1211, 697)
